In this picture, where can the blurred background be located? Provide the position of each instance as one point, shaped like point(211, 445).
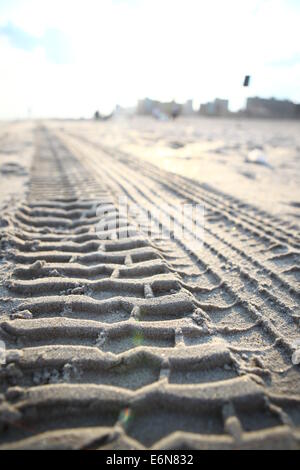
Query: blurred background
point(69, 58)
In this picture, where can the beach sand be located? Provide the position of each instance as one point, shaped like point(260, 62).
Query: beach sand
point(112, 337)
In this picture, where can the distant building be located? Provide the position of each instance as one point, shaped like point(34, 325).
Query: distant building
point(217, 107)
point(146, 106)
point(187, 108)
point(125, 112)
point(163, 110)
point(271, 108)
point(297, 111)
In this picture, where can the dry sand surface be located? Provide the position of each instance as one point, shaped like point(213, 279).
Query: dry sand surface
point(214, 151)
point(16, 152)
point(149, 341)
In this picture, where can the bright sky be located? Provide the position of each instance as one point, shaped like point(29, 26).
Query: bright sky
point(67, 58)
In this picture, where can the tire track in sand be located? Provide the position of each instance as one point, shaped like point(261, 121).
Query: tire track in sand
point(136, 343)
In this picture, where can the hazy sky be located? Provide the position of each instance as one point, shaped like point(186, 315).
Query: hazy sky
point(70, 57)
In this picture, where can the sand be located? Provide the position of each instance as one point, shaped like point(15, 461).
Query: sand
point(214, 151)
point(149, 342)
point(16, 152)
